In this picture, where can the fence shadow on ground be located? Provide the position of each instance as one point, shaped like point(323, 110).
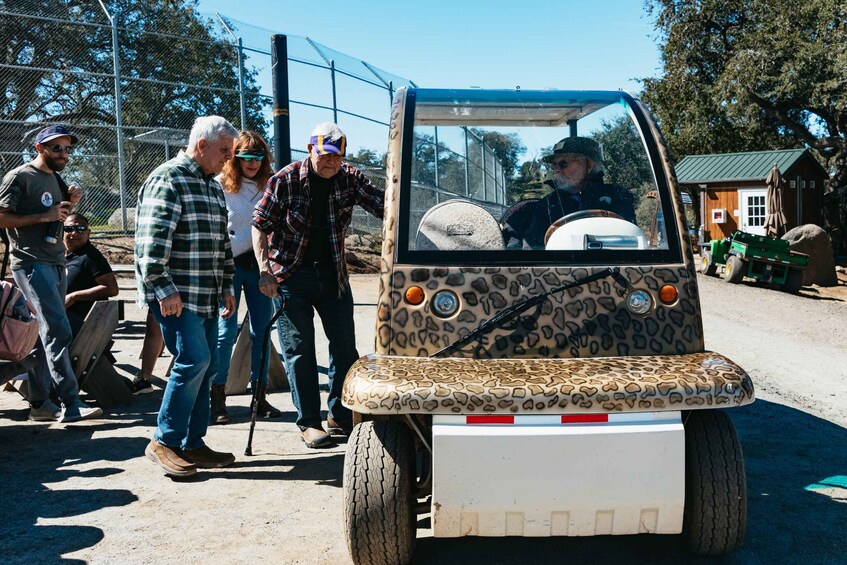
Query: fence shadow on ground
point(795, 464)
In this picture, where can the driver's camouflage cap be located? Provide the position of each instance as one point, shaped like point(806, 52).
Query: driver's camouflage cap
point(581, 145)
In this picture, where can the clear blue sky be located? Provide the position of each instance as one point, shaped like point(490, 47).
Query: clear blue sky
point(563, 44)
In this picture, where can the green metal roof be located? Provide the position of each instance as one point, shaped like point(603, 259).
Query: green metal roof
point(726, 167)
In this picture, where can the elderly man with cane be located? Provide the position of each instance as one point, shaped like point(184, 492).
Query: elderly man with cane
point(298, 237)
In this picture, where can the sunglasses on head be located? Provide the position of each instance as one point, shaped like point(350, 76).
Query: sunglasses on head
point(247, 157)
point(77, 229)
point(59, 148)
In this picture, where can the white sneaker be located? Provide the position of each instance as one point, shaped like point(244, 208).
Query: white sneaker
point(47, 412)
point(79, 410)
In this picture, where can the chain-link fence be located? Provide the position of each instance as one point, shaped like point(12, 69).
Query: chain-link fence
point(130, 78)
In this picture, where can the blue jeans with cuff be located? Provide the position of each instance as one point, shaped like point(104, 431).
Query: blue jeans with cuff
point(45, 286)
point(310, 289)
point(184, 414)
point(259, 308)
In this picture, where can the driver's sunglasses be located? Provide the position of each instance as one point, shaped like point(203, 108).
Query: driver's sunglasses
point(247, 157)
point(77, 229)
point(563, 164)
point(59, 148)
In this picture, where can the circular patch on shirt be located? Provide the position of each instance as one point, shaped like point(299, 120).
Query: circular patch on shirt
point(47, 199)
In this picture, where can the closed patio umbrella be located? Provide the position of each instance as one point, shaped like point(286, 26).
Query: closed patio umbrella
point(775, 221)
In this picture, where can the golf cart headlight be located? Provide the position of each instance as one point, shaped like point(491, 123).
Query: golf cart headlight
point(639, 302)
point(445, 304)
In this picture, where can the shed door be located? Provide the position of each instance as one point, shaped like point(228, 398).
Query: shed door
point(753, 210)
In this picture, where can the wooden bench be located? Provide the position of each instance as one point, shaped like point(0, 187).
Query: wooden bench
point(91, 360)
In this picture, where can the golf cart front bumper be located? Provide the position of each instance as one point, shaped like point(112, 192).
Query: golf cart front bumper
point(384, 385)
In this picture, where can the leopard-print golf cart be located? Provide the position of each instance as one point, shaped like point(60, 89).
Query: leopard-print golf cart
point(540, 367)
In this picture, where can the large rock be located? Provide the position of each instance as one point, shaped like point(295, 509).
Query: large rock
point(116, 219)
point(814, 242)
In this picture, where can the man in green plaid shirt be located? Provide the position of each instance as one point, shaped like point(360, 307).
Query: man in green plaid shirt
point(184, 268)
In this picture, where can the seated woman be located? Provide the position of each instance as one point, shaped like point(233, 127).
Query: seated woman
point(577, 184)
point(90, 276)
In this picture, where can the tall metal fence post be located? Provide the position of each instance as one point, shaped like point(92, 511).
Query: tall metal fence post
point(467, 165)
point(334, 99)
point(241, 84)
point(437, 188)
point(484, 183)
point(119, 121)
point(282, 120)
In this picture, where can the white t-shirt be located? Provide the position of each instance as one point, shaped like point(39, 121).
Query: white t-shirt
point(239, 207)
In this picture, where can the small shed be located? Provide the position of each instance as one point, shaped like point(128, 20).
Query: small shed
point(733, 194)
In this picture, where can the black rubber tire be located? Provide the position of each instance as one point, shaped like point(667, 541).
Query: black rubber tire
point(379, 515)
point(736, 268)
point(707, 264)
point(715, 484)
point(793, 282)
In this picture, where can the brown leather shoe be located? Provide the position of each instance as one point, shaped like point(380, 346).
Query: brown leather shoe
point(169, 460)
point(207, 458)
point(337, 427)
point(316, 437)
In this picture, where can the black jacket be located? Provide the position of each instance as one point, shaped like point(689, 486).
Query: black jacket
point(525, 223)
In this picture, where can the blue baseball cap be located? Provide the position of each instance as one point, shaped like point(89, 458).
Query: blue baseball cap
point(52, 132)
point(325, 146)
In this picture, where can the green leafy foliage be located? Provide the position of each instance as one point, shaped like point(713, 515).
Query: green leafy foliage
point(752, 75)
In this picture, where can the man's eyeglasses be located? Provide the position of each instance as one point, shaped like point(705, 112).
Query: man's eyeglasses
point(247, 157)
point(77, 229)
point(59, 148)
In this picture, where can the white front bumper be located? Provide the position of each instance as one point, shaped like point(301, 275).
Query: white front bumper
point(540, 477)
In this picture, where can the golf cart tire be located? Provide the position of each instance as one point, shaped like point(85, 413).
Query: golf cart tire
point(793, 281)
point(736, 268)
point(715, 516)
point(707, 264)
point(379, 515)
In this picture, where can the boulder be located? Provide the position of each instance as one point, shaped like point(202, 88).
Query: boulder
point(814, 242)
point(116, 219)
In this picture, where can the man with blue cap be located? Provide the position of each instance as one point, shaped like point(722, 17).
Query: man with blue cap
point(34, 202)
point(299, 227)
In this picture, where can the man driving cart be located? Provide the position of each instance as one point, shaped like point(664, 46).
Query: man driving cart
point(577, 184)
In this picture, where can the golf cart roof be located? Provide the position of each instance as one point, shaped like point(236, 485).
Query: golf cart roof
point(510, 107)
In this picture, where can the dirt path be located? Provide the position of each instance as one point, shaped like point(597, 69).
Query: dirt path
point(84, 493)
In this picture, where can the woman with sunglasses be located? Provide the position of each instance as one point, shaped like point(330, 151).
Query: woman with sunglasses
point(243, 180)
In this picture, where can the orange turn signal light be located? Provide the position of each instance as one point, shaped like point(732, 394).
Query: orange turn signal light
point(668, 294)
point(414, 295)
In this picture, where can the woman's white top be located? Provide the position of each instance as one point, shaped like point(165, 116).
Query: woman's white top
point(239, 207)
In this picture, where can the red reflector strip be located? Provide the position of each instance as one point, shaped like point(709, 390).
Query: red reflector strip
point(489, 419)
point(585, 418)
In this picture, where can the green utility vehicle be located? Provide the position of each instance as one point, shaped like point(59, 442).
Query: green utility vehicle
point(765, 259)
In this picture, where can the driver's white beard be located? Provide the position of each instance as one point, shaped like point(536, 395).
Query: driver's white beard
point(567, 186)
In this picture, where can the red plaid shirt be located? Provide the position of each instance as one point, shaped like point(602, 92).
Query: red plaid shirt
point(284, 212)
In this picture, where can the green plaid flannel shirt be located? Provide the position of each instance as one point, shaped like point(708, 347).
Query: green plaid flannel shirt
point(181, 242)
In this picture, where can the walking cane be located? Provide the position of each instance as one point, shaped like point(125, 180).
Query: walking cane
point(261, 383)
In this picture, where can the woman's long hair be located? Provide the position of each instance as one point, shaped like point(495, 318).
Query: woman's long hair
point(231, 175)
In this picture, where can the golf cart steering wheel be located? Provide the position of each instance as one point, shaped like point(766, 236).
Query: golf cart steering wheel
point(581, 215)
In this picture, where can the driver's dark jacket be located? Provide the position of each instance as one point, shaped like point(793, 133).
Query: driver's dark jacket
point(525, 223)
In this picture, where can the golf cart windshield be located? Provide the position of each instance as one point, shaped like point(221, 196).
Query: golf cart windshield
point(510, 177)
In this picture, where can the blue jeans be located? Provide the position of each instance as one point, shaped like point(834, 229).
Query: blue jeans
point(259, 309)
point(307, 290)
point(45, 286)
point(184, 414)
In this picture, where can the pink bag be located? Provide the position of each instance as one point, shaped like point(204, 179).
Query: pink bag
point(18, 328)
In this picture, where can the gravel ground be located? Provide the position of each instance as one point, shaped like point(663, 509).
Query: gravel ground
point(85, 493)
